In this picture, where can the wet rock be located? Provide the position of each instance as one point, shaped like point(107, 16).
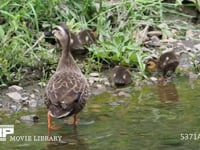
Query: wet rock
point(94, 74)
point(153, 79)
point(197, 47)
point(14, 96)
point(13, 107)
point(33, 118)
point(154, 41)
point(36, 91)
point(106, 83)
point(24, 98)
point(91, 81)
point(192, 34)
point(97, 79)
point(15, 88)
point(99, 86)
point(122, 93)
point(33, 103)
point(32, 95)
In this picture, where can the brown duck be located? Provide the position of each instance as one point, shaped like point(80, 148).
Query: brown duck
point(121, 76)
point(75, 42)
point(166, 62)
point(87, 37)
point(67, 90)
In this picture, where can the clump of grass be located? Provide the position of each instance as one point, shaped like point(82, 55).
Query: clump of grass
point(22, 23)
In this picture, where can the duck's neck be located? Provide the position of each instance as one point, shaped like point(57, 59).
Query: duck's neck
point(67, 62)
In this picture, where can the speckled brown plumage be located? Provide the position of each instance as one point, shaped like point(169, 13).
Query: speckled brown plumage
point(67, 90)
point(75, 42)
point(121, 76)
point(86, 37)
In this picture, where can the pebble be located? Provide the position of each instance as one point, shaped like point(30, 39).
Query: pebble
point(36, 91)
point(154, 79)
point(94, 74)
point(15, 88)
point(91, 81)
point(24, 98)
point(99, 86)
point(32, 95)
point(197, 46)
point(106, 83)
point(33, 118)
point(32, 103)
point(14, 107)
point(97, 79)
point(122, 93)
point(14, 96)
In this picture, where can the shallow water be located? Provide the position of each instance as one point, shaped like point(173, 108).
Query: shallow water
point(154, 117)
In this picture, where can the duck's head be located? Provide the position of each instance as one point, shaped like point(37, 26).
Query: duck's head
point(62, 35)
point(152, 64)
point(121, 76)
point(87, 36)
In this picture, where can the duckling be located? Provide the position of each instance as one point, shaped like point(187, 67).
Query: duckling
point(67, 90)
point(75, 42)
point(121, 76)
point(165, 63)
point(87, 37)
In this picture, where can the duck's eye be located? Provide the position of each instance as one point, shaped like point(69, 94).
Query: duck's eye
point(86, 38)
point(71, 41)
point(124, 77)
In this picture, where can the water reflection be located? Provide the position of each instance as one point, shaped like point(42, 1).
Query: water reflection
point(167, 92)
point(72, 141)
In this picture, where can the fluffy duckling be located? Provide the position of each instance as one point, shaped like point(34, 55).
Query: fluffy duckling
point(87, 37)
point(67, 90)
point(166, 62)
point(75, 42)
point(121, 76)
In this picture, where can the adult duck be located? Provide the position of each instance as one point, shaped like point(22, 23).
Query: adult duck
point(67, 90)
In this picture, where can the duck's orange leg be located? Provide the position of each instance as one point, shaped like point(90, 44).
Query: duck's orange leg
point(50, 125)
point(75, 121)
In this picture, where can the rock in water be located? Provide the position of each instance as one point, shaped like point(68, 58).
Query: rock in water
point(15, 88)
point(33, 118)
point(14, 96)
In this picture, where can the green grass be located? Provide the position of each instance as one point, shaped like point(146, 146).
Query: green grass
point(23, 22)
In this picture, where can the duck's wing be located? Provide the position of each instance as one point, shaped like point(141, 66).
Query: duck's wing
point(66, 88)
